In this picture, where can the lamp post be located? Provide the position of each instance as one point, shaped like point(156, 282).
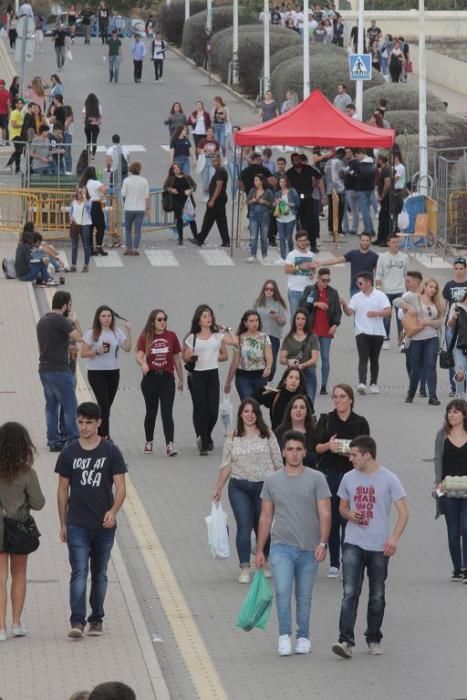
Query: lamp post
point(360, 46)
point(306, 50)
point(422, 130)
point(209, 17)
point(267, 57)
point(187, 9)
point(235, 75)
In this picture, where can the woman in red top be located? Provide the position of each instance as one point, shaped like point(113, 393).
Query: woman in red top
point(158, 355)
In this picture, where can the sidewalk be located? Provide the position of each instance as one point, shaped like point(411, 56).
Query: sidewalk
point(46, 664)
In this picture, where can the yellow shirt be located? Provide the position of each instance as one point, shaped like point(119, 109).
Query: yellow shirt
point(18, 118)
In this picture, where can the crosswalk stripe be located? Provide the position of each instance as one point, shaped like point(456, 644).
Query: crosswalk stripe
point(161, 258)
point(216, 257)
point(113, 259)
point(165, 147)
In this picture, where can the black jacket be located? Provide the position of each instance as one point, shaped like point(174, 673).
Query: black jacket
point(334, 310)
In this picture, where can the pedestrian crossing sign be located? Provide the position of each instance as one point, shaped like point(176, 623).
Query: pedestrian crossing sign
point(360, 66)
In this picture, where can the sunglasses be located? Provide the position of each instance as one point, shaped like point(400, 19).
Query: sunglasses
point(161, 319)
point(460, 261)
point(325, 279)
point(269, 289)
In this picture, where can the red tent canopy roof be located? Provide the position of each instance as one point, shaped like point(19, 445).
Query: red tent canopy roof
point(315, 122)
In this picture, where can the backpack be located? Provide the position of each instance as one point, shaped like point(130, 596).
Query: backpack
point(8, 267)
point(123, 165)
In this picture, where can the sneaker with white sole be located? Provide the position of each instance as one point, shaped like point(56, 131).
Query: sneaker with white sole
point(374, 389)
point(95, 629)
point(279, 261)
point(375, 648)
point(251, 259)
point(148, 448)
point(19, 631)
point(76, 631)
point(3, 636)
point(284, 647)
point(361, 388)
point(302, 646)
point(244, 576)
point(333, 572)
point(171, 450)
point(342, 649)
point(386, 345)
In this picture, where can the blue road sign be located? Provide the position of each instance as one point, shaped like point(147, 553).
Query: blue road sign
point(360, 66)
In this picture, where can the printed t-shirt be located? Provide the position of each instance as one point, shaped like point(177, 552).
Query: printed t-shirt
point(295, 499)
point(90, 473)
point(252, 352)
point(108, 360)
point(371, 495)
point(454, 291)
point(160, 356)
point(210, 147)
point(300, 278)
point(53, 335)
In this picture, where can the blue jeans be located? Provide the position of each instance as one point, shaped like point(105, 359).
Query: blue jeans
point(336, 536)
point(423, 355)
point(310, 380)
point(460, 361)
point(85, 235)
point(354, 560)
point(293, 297)
point(248, 382)
point(59, 391)
point(45, 170)
point(285, 231)
point(114, 67)
point(351, 203)
point(449, 333)
point(37, 271)
point(84, 547)
point(408, 366)
point(289, 563)
point(245, 499)
point(259, 226)
point(363, 199)
point(133, 218)
point(68, 139)
point(387, 319)
point(206, 175)
point(219, 134)
point(324, 349)
point(455, 512)
point(184, 163)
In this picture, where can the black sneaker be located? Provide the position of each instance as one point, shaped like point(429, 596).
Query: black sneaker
point(195, 241)
point(457, 575)
point(464, 575)
point(323, 391)
point(409, 397)
point(56, 448)
point(210, 445)
point(422, 393)
point(434, 401)
point(101, 251)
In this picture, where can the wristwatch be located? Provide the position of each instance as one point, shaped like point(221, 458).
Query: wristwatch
point(324, 545)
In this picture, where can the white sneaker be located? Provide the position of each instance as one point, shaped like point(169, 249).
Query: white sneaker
point(148, 448)
point(387, 345)
point(284, 648)
point(333, 572)
point(375, 648)
point(251, 259)
point(3, 636)
point(374, 389)
point(303, 646)
point(171, 450)
point(266, 260)
point(19, 631)
point(279, 261)
point(361, 388)
point(342, 649)
point(244, 575)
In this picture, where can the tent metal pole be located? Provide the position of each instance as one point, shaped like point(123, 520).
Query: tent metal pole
point(237, 190)
point(233, 199)
point(392, 221)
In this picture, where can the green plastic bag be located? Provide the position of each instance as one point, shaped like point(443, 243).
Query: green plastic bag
point(257, 605)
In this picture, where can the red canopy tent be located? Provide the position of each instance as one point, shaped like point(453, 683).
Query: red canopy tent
point(315, 122)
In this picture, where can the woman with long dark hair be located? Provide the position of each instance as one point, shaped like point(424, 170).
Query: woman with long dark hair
point(92, 114)
point(299, 416)
point(182, 187)
point(260, 199)
point(158, 355)
point(20, 493)
point(176, 118)
point(291, 384)
point(68, 138)
point(451, 460)
point(96, 193)
point(14, 91)
point(251, 363)
point(272, 310)
point(333, 434)
point(101, 345)
point(203, 348)
point(180, 148)
point(300, 348)
point(251, 453)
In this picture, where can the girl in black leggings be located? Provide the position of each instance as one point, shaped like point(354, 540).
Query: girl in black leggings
point(96, 193)
point(204, 347)
point(101, 345)
point(158, 355)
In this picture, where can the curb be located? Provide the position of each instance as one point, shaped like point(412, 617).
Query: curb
point(6, 61)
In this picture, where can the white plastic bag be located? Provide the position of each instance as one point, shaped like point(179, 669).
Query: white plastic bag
point(218, 532)
point(226, 414)
point(69, 55)
point(201, 163)
point(403, 220)
point(188, 213)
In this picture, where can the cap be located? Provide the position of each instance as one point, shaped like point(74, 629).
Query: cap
point(460, 260)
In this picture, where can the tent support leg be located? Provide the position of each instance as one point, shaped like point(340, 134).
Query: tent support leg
point(234, 189)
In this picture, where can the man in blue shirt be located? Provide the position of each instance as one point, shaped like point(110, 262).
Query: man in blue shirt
point(138, 51)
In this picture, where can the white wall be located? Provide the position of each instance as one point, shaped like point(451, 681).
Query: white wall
point(437, 24)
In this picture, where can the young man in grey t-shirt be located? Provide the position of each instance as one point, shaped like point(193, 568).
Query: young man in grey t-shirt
point(367, 494)
point(297, 499)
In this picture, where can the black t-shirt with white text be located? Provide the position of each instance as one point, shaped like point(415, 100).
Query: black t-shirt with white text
point(90, 473)
point(454, 292)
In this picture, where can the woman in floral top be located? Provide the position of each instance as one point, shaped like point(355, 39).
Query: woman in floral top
point(252, 361)
point(250, 454)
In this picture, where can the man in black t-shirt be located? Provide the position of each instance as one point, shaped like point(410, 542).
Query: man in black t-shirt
point(60, 36)
point(247, 175)
point(453, 292)
point(306, 180)
point(215, 208)
point(361, 259)
point(89, 469)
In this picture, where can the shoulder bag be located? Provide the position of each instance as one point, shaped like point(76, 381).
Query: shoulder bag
point(20, 537)
point(191, 364)
point(410, 325)
point(446, 357)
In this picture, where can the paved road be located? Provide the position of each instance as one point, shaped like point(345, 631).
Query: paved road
point(201, 653)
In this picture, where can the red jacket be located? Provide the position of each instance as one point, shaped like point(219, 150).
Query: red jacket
point(207, 119)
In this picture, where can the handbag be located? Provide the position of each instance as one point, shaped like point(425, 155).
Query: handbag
point(75, 229)
point(201, 163)
point(410, 325)
point(168, 202)
point(455, 486)
point(446, 357)
point(191, 364)
point(20, 537)
point(409, 67)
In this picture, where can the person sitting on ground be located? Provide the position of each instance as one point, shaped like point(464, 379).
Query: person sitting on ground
point(28, 270)
point(41, 249)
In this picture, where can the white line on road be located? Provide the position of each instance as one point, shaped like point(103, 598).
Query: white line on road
point(113, 259)
point(216, 257)
point(161, 258)
point(138, 148)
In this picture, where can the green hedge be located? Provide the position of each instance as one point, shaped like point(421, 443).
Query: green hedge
point(326, 72)
point(400, 97)
point(194, 34)
point(250, 52)
point(297, 50)
point(439, 124)
point(172, 18)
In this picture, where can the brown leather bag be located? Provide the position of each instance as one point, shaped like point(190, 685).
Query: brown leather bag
point(411, 325)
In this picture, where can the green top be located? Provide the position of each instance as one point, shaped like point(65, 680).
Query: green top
point(114, 46)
